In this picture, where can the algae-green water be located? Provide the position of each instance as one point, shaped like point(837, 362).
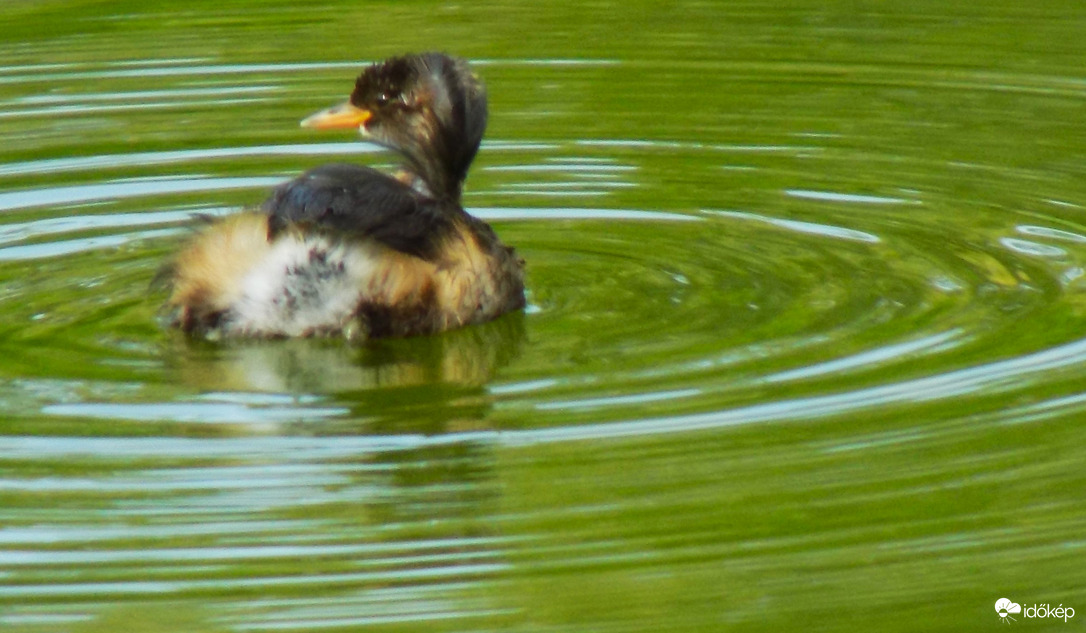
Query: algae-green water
point(805, 347)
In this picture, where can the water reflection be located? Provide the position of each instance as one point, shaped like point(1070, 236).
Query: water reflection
point(468, 357)
point(427, 385)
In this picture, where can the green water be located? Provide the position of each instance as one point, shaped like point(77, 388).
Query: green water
point(805, 347)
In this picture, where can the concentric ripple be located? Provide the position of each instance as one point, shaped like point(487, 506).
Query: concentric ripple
point(791, 325)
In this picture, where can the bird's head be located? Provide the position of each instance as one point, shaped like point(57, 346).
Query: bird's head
point(429, 107)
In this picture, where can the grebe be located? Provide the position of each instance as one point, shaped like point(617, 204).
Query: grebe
point(348, 250)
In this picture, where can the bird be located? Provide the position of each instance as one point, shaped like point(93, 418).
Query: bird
point(348, 250)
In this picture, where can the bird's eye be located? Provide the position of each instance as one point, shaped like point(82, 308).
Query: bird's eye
point(384, 98)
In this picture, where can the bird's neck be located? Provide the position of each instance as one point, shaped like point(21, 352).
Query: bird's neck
point(442, 182)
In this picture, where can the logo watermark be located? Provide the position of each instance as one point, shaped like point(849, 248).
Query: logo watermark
point(1006, 610)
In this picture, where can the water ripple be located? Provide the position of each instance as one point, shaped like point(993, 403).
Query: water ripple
point(831, 196)
point(55, 165)
point(203, 413)
point(116, 190)
point(838, 322)
point(1002, 376)
point(802, 227)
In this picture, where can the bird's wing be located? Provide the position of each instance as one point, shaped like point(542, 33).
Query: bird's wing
point(360, 202)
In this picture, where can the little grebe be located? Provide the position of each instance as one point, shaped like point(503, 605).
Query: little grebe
point(345, 249)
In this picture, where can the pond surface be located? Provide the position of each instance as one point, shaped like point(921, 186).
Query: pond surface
point(805, 350)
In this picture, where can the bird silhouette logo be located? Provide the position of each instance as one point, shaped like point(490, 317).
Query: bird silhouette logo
point(1005, 608)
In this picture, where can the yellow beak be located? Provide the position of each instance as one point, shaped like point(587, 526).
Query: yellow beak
point(341, 116)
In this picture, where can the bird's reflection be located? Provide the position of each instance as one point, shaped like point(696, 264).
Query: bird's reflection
point(456, 360)
point(429, 499)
